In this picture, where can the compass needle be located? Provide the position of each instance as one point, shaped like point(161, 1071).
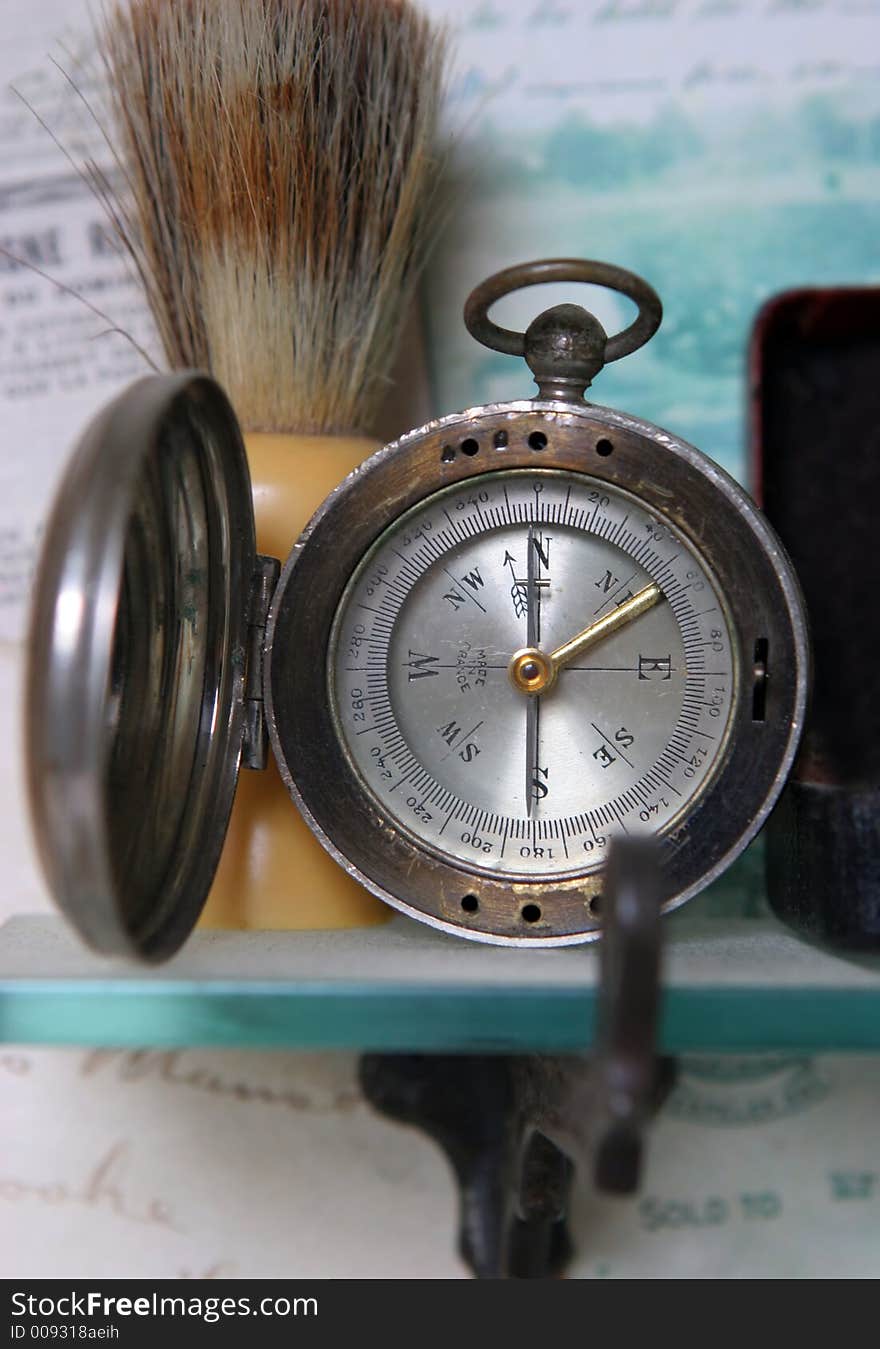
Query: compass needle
point(606, 626)
point(532, 671)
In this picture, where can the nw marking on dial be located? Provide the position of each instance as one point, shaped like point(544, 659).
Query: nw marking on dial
point(611, 615)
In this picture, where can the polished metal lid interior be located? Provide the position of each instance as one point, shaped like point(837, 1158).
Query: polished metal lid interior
point(134, 713)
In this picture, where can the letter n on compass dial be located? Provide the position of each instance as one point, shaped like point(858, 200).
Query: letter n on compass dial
point(529, 664)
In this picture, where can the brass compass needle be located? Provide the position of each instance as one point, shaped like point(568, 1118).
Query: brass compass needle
point(604, 627)
point(534, 671)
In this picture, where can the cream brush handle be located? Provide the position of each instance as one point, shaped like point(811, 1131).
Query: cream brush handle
point(273, 872)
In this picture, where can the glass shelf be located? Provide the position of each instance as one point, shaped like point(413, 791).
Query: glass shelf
point(733, 982)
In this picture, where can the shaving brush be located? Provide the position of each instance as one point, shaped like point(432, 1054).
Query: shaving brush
point(279, 165)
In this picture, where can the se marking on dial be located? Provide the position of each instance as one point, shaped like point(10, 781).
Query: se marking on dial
point(542, 580)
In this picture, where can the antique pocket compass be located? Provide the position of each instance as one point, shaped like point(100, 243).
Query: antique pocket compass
point(510, 635)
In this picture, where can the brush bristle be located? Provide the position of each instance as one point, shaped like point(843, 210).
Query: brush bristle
point(280, 157)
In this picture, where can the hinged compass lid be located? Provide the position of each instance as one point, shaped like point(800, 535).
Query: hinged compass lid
point(135, 692)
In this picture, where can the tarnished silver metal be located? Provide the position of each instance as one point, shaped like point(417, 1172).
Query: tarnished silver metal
point(565, 347)
point(675, 483)
point(137, 664)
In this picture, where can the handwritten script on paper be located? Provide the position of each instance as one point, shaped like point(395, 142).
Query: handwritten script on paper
point(159, 1175)
point(102, 1187)
point(172, 1068)
point(724, 149)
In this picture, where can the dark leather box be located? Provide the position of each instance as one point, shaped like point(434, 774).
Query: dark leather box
point(815, 438)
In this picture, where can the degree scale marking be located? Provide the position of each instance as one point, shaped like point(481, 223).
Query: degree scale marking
point(480, 519)
point(475, 531)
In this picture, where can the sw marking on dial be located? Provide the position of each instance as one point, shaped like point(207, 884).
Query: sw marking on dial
point(527, 664)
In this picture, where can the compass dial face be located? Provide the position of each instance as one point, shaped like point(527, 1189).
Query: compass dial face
point(499, 586)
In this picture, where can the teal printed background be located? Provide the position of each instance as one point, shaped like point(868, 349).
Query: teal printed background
point(726, 150)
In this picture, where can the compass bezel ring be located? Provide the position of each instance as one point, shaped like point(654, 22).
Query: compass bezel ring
point(675, 483)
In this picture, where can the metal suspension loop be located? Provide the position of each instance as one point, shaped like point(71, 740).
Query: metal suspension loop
point(618, 279)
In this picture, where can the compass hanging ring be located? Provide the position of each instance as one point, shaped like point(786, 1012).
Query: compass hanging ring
point(564, 347)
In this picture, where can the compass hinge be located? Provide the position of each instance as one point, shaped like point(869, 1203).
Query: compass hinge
point(255, 746)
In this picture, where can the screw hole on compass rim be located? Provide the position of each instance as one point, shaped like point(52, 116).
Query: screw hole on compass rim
point(538, 441)
point(470, 447)
point(604, 447)
point(499, 440)
point(595, 906)
point(470, 903)
point(530, 913)
point(448, 455)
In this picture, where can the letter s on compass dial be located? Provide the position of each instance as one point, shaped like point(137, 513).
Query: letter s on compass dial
point(454, 712)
